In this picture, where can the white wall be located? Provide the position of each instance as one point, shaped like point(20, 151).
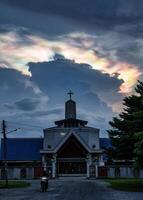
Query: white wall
point(14, 173)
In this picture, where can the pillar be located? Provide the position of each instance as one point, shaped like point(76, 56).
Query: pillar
point(96, 168)
point(88, 163)
point(44, 163)
point(88, 170)
point(101, 162)
point(54, 166)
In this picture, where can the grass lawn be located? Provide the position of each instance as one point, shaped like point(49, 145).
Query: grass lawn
point(125, 184)
point(14, 184)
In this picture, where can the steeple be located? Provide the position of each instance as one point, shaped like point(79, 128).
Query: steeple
point(70, 115)
point(70, 107)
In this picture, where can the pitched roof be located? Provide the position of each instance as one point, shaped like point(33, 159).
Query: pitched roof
point(22, 149)
point(77, 137)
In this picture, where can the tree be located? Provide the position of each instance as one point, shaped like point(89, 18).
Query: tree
point(127, 129)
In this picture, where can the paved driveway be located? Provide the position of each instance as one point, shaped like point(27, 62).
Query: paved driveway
point(69, 189)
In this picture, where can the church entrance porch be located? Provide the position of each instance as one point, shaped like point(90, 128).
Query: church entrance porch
point(71, 167)
point(71, 158)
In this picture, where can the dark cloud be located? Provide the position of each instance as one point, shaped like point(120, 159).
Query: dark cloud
point(54, 17)
point(117, 24)
point(39, 23)
point(30, 105)
point(85, 10)
point(12, 85)
point(96, 111)
point(95, 92)
point(56, 111)
point(27, 104)
point(58, 76)
point(8, 105)
point(91, 102)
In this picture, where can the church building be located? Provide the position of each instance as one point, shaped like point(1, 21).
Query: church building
point(71, 148)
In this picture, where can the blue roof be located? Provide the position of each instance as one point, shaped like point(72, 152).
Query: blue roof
point(105, 143)
point(22, 149)
point(28, 149)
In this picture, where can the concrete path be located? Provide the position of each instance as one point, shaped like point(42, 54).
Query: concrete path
point(69, 189)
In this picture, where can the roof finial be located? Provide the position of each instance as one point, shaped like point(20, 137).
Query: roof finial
point(70, 93)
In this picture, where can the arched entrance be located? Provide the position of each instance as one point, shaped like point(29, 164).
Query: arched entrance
point(71, 158)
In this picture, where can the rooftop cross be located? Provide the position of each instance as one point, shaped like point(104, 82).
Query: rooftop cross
point(70, 93)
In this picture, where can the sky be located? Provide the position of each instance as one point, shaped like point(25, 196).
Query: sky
point(48, 47)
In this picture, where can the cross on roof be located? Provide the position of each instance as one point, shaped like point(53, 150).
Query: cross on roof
point(70, 93)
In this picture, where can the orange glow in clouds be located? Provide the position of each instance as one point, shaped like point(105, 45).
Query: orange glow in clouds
point(17, 55)
point(129, 73)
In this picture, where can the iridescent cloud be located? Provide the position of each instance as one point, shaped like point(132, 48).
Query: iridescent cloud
point(80, 47)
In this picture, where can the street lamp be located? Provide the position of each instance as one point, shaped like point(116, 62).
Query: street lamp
point(13, 130)
point(5, 149)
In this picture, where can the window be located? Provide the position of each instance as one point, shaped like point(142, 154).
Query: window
point(49, 146)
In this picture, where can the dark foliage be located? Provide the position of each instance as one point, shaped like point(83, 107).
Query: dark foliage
point(126, 133)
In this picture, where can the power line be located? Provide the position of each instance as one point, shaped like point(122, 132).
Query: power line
point(25, 124)
point(26, 128)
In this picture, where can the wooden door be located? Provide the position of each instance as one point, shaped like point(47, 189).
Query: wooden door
point(102, 172)
point(38, 172)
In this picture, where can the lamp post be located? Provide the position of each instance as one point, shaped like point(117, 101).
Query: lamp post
point(5, 149)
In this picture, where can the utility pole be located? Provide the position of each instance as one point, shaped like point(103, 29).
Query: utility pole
point(5, 151)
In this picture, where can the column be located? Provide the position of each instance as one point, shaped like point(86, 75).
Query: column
point(54, 166)
point(101, 162)
point(96, 168)
point(44, 163)
point(88, 163)
point(97, 164)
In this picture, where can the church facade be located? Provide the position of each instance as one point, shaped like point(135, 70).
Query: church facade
point(71, 148)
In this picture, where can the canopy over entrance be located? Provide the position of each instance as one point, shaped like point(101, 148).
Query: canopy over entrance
point(71, 157)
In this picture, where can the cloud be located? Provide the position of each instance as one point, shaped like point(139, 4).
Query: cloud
point(18, 93)
point(96, 93)
point(36, 22)
point(32, 106)
point(58, 76)
point(56, 112)
point(109, 37)
point(27, 104)
point(91, 102)
point(41, 96)
point(93, 10)
point(101, 41)
point(48, 84)
point(81, 47)
point(12, 85)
